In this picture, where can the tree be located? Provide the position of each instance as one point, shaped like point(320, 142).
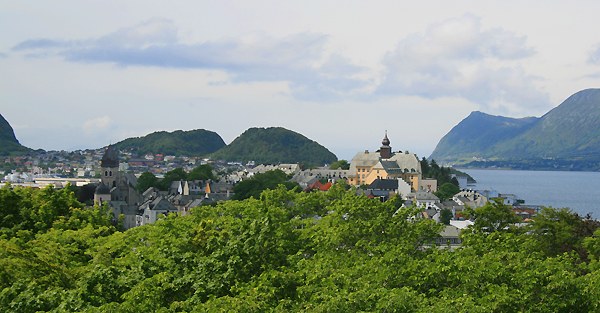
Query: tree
point(446, 191)
point(561, 230)
point(446, 216)
point(340, 164)
point(145, 181)
point(492, 217)
point(171, 176)
point(201, 172)
point(255, 185)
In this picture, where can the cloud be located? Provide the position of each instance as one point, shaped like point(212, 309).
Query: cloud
point(458, 58)
point(299, 59)
point(96, 125)
point(595, 56)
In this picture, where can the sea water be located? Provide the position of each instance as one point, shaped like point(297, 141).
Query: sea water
point(579, 191)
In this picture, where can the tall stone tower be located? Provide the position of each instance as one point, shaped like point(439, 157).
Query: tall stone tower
point(385, 152)
point(110, 167)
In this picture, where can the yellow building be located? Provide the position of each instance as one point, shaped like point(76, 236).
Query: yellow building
point(367, 166)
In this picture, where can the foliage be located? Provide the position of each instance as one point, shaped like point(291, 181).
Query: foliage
point(494, 216)
point(255, 185)
point(33, 210)
point(446, 216)
point(197, 142)
point(201, 172)
point(446, 191)
point(171, 176)
point(145, 181)
point(340, 164)
point(440, 173)
point(275, 145)
point(285, 251)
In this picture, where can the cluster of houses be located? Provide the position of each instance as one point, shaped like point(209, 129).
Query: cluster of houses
point(380, 174)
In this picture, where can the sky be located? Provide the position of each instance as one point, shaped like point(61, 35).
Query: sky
point(85, 74)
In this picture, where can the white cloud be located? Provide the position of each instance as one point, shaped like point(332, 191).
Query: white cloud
point(300, 59)
point(458, 58)
point(99, 124)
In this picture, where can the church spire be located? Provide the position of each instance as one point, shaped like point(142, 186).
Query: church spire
point(110, 159)
point(385, 151)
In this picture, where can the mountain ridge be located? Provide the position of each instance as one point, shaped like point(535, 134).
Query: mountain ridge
point(9, 145)
point(567, 133)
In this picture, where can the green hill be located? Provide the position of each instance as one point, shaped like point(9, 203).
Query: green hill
point(275, 145)
point(197, 142)
point(9, 145)
point(567, 137)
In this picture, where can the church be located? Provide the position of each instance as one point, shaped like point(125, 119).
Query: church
point(117, 188)
point(367, 167)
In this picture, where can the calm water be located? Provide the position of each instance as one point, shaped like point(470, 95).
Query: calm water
point(579, 191)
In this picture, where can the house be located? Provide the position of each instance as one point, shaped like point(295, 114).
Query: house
point(449, 237)
point(151, 210)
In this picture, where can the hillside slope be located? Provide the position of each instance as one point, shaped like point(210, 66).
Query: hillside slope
point(275, 145)
point(197, 142)
point(566, 135)
point(9, 145)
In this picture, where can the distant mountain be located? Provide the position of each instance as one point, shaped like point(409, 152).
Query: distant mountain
point(9, 145)
point(275, 145)
point(197, 142)
point(567, 137)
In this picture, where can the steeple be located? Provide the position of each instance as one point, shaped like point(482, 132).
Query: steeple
point(110, 159)
point(385, 151)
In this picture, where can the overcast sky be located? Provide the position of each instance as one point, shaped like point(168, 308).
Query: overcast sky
point(84, 74)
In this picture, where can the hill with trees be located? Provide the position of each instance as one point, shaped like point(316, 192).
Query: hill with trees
point(9, 145)
point(275, 145)
point(199, 142)
point(567, 137)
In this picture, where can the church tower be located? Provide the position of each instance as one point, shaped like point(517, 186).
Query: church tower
point(109, 167)
point(385, 152)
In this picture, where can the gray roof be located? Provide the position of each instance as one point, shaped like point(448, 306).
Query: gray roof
point(450, 231)
point(102, 189)
point(384, 184)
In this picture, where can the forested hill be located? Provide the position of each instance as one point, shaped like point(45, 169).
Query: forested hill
point(568, 135)
point(275, 145)
point(9, 145)
point(197, 142)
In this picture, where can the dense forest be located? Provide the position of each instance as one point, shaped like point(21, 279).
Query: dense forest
point(287, 251)
point(275, 145)
point(198, 142)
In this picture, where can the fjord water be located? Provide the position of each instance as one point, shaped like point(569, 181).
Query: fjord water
point(579, 191)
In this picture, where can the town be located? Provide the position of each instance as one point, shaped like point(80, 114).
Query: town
point(110, 177)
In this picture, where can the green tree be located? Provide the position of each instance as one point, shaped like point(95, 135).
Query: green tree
point(446, 216)
point(340, 164)
point(255, 185)
point(446, 191)
point(145, 181)
point(201, 172)
point(492, 217)
point(561, 230)
point(171, 176)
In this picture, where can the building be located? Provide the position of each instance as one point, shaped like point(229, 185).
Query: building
point(117, 188)
point(367, 166)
